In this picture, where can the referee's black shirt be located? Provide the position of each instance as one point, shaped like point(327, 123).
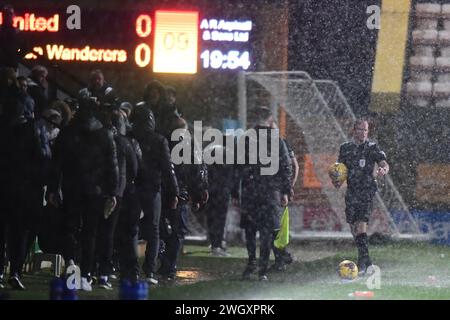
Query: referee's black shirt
point(360, 161)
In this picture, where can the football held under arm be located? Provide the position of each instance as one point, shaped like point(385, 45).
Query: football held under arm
point(341, 159)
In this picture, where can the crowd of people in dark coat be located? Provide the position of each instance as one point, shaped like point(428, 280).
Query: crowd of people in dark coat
point(102, 167)
point(88, 177)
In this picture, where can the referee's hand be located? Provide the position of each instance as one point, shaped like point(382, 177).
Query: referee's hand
point(381, 171)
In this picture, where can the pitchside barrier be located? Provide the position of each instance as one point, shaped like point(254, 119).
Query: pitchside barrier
point(434, 225)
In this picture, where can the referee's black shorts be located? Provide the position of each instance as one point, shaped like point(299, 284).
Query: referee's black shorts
point(358, 206)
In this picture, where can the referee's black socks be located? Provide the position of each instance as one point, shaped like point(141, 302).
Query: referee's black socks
point(362, 243)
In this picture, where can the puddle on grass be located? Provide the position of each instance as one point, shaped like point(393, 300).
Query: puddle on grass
point(192, 275)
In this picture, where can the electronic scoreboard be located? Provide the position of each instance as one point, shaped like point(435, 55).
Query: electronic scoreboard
point(162, 41)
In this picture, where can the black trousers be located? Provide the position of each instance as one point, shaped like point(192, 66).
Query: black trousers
point(84, 210)
point(3, 260)
point(72, 211)
point(22, 220)
point(105, 241)
point(127, 235)
point(5, 210)
point(173, 237)
point(261, 212)
point(266, 238)
point(91, 215)
point(150, 201)
point(36, 208)
point(216, 213)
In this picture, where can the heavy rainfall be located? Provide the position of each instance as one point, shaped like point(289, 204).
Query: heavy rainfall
point(225, 150)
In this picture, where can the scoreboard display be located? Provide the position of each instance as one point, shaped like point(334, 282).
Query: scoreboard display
point(161, 41)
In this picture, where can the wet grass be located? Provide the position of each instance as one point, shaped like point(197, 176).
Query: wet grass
point(408, 271)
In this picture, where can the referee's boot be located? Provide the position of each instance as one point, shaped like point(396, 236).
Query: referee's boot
point(365, 266)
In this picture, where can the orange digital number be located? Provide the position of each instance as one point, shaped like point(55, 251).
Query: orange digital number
point(142, 55)
point(143, 25)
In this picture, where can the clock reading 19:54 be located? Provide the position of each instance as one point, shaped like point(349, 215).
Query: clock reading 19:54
point(233, 59)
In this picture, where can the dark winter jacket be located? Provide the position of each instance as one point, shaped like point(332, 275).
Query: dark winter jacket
point(250, 174)
point(221, 178)
point(105, 94)
point(23, 145)
point(192, 178)
point(128, 155)
point(260, 194)
point(85, 159)
point(155, 167)
point(27, 103)
point(164, 113)
point(39, 95)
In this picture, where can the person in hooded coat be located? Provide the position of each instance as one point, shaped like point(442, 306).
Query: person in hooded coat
point(85, 168)
point(155, 170)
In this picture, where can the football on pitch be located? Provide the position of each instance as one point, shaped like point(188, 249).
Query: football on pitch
point(348, 270)
point(338, 172)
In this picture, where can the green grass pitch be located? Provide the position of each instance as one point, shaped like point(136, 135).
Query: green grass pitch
point(408, 271)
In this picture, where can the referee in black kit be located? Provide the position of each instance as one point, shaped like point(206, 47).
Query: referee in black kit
point(360, 156)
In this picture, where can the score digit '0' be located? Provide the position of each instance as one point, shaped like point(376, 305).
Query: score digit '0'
point(143, 53)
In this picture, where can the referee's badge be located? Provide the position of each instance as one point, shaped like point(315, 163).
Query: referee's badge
point(362, 163)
